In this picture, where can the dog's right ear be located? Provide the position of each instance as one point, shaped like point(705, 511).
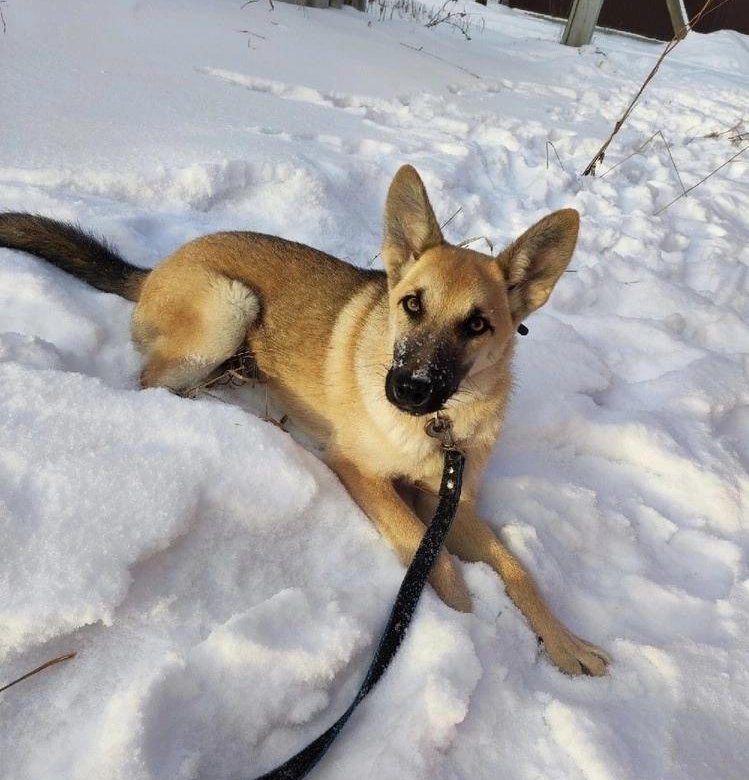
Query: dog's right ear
point(533, 263)
point(410, 225)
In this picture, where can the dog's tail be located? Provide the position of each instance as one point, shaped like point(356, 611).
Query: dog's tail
point(76, 252)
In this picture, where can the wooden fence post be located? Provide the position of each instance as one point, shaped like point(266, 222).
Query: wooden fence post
point(582, 21)
point(678, 18)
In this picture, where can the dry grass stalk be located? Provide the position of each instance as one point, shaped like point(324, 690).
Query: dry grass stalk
point(250, 35)
point(736, 134)
point(550, 144)
point(640, 148)
point(387, 9)
point(712, 173)
point(420, 50)
point(459, 20)
point(447, 13)
point(468, 241)
point(707, 8)
point(38, 669)
point(442, 227)
point(237, 371)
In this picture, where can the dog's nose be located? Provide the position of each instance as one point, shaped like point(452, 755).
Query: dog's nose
point(411, 391)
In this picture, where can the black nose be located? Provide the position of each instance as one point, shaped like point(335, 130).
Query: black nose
point(410, 391)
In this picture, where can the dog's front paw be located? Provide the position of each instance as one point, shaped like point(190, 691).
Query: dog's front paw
point(447, 580)
point(574, 655)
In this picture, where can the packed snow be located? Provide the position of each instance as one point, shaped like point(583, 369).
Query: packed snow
point(222, 591)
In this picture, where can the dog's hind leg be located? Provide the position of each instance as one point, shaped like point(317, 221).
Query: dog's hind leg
point(185, 333)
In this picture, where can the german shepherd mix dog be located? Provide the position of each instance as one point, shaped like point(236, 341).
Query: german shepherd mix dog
point(360, 358)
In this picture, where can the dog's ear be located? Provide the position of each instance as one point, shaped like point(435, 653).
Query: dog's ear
point(410, 225)
point(534, 262)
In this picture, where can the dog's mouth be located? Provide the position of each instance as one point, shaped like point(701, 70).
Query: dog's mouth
point(416, 393)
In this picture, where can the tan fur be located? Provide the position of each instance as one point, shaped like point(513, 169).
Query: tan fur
point(324, 335)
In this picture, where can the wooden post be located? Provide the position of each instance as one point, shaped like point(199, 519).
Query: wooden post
point(582, 22)
point(678, 18)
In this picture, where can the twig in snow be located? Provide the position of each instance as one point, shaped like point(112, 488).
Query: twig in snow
point(468, 241)
point(550, 144)
point(671, 157)
point(460, 20)
point(267, 416)
point(719, 133)
point(736, 134)
point(420, 50)
point(2, 17)
point(708, 7)
point(730, 159)
point(250, 2)
point(38, 669)
point(446, 223)
point(640, 148)
point(406, 9)
point(237, 371)
point(254, 35)
point(443, 225)
point(251, 35)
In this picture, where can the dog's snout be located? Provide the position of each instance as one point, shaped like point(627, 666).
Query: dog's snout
point(410, 390)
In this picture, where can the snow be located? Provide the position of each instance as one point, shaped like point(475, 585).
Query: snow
point(222, 591)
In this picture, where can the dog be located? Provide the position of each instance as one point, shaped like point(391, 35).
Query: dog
point(359, 358)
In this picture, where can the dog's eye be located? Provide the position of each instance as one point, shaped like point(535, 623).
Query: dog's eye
point(412, 305)
point(476, 325)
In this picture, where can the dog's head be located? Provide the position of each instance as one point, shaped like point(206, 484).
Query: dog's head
point(454, 311)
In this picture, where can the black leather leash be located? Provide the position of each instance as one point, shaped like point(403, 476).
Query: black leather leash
point(405, 602)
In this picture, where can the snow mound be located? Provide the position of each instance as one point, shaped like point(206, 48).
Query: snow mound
point(222, 591)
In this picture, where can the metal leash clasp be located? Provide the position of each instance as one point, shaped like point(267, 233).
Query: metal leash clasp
point(440, 427)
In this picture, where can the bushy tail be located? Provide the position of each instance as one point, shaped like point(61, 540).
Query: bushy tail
point(76, 252)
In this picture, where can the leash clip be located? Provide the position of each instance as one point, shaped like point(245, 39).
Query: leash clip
point(441, 427)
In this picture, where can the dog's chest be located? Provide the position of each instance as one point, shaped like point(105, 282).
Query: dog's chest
point(403, 451)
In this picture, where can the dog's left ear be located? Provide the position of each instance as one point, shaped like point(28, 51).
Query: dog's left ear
point(410, 225)
point(534, 262)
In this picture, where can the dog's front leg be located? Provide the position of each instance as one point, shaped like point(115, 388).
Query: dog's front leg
point(471, 539)
point(397, 522)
